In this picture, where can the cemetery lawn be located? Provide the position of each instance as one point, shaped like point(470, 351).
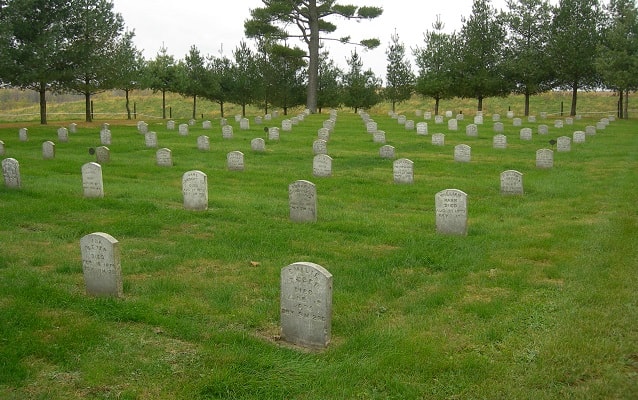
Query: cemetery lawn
point(538, 301)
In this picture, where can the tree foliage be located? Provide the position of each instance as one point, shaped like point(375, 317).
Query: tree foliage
point(399, 78)
point(360, 88)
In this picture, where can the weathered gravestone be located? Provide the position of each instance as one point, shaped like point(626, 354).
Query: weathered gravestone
point(237, 117)
point(409, 125)
point(258, 120)
point(150, 139)
point(322, 165)
point(422, 128)
point(543, 129)
point(531, 118)
point(448, 114)
point(564, 144)
point(244, 124)
point(378, 137)
point(102, 155)
point(401, 119)
point(438, 119)
point(183, 129)
point(510, 114)
point(319, 146)
point(471, 130)
point(306, 305)
point(386, 151)
point(164, 157)
point(600, 126)
point(105, 137)
point(499, 141)
point(543, 115)
point(273, 133)
point(511, 182)
point(496, 117)
point(323, 134)
point(558, 123)
point(452, 124)
point(92, 183)
point(438, 139)
point(569, 121)
point(478, 120)
point(11, 173)
point(170, 125)
point(427, 115)
point(590, 130)
point(462, 153)
point(302, 196)
point(517, 122)
point(235, 161)
point(63, 135)
point(73, 127)
point(227, 131)
point(499, 127)
point(526, 134)
point(207, 124)
point(258, 144)
point(23, 134)
point(101, 265)
point(195, 190)
point(203, 143)
point(544, 158)
point(403, 171)
point(48, 150)
point(329, 124)
point(579, 137)
point(286, 125)
point(451, 212)
point(371, 127)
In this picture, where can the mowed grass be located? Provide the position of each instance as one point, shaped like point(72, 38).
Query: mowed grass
point(540, 300)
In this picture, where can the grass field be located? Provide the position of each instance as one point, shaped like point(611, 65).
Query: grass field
point(539, 300)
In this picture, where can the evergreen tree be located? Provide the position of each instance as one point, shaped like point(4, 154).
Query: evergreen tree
point(192, 76)
point(220, 71)
point(311, 18)
point(329, 91)
point(130, 68)
point(399, 78)
point(361, 88)
point(161, 75)
point(245, 76)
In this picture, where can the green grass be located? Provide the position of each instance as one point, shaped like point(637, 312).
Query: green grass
point(540, 300)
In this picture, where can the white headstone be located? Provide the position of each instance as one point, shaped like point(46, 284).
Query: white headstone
point(92, 183)
point(273, 133)
point(499, 127)
point(422, 128)
point(438, 139)
point(451, 212)
point(462, 153)
point(101, 265)
point(386, 151)
point(499, 141)
point(150, 139)
point(590, 130)
point(578, 137)
point(286, 125)
point(448, 114)
point(164, 157)
point(517, 122)
point(203, 143)
point(543, 129)
point(244, 124)
point(558, 123)
point(478, 119)
point(237, 117)
point(48, 150)
point(322, 165)
point(511, 182)
point(438, 119)
point(471, 130)
point(544, 158)
point(526, 134)
point(11, 173)
point(235, 161)
point(195, 190)
point(207, 124)
point(63, 135)
point(73, 127)
point(2, 149)
point(378, 137)
point(306, 305)
point(170, 125)
point(403, 171)
point(302, 197)
point(183, 129)
point(23, 134)
point(102, 155)
point(105, 137)
point(323, 134)
point(401, 119)
point(258, 144)
point(496, 117)
point(227, 131)
point(564, 144)
point(531, 118)
point(427, 115)
point(452, 124)
point(510, 114)
point(320, 146)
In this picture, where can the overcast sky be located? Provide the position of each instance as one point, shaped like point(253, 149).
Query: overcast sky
point(217, 27)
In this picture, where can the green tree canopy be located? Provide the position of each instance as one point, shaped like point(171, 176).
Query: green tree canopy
point(361, 88)
point(399, 78)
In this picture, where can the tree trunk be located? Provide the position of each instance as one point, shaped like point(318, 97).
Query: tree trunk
point(480, 103)
point(128, 104)
point(243, 110)
point(313, 52)
point(626, 114)
point(527, 96)
point(436, 105)
point(163, 104)
point(574, 97)
point(221, 109)
point(194, 106)
point(393, 106)
point(43, 103)
point(620, 104)
point(87, 105)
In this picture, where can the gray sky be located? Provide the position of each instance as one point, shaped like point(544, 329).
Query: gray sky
point(217, 27)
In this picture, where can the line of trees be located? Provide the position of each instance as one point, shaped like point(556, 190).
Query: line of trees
point(82, 47)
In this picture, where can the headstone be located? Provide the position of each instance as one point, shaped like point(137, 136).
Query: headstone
point(462, 153)
point(569, 121)
point(244, 124)
point(322, 165)
point(558, 123)
point(451, 212)
point(258, 144)
point(471, 130)
point(329, 124)
point(438, 139)
point(478, 119)
point(427, 115)
point(378, 137)
point(544, 158)
point(2, 149)
point(531, 118)
point(237, 117)
point(499, 127)
point(418, 113)
point(273, 133)
point(223, 121)
point(275, 114)
point(11, 173)
point(268, 117)
point(48, 150)
point(150, 139)
point(452, 124)
point(101, 265)
point(207, 124)
point(517, 122)
point(438, 119)
point(23, 134)
point(526, 134)
point(403, 171)
point(401, 119)
point(183, 129)
point(235, 161)
point(371, 126)
point(306, 305)
point(320, 146)
point(105, 137)
point(499, 141)
point(496, 117)
point(564, 144)
point(63, 135)
point(170, 125)
point(543, 115)
point(460, 117)
point(106, 126)
point(409, 125)
point(323, 134)
point(164, 157)
point(203, 143)
point(543, 129)
point(195, 190)
point(227, 131)
point(510, 114)
point(590, 130)
point(286, 125)
point(579, 137)
point(600, 126)
point(92, 183)
point(511, 182)
point(258, 120)
point(73, 127)
point(448, 114)
point(386, 151)
point(422, 128)
point(102, 155)
point(302, 197)
point(142, 127)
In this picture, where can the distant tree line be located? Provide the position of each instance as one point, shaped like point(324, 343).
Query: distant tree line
point(82, 47)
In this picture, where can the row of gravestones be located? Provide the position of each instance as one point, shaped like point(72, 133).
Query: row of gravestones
point(305, 290)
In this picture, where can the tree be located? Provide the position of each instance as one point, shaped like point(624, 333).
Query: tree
point(361, 88)
point(130, 66)
point(329, 83)
point(287, 77)
point(481, 61)
point(436, 62)
point(399, 78)
point(33, 41)
point(95, 36)
point(161, 75)
point(245, 77)
point(527, 63)
point(617, 60)
point(219, 90)
point(192, 76)
point(311, 18)
point(574, 44)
